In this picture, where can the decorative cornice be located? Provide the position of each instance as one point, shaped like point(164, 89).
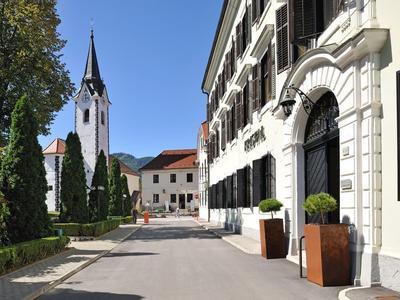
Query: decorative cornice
point(223, 34)
point(367, 41)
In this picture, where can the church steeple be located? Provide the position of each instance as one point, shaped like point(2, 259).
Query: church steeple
point(92, 72)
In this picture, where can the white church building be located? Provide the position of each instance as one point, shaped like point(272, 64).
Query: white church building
point(91, 124)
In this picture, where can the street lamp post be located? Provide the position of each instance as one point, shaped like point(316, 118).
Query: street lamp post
point(123, 203)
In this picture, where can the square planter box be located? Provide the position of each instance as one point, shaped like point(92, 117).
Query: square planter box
point(327, 251)
point(272, 238)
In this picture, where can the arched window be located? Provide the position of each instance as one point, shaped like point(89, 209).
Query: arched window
point(86, 116)
point(102, 118)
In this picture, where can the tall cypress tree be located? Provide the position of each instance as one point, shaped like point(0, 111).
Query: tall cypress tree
point(99, 199)
point(23, 177)
point(115, 208)
point(127, 206)
point(73, 197)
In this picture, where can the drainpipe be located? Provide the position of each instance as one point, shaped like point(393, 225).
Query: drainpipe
point(208, 167)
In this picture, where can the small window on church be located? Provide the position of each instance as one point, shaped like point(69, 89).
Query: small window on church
point(86, 116)
point(102, 118)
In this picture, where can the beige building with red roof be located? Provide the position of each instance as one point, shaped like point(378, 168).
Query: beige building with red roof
point(170, 180)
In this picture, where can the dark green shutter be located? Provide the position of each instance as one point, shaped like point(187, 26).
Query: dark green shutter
point(282, 36)
point(241, 187)
point(234, 191)
point(224, 190)
point(229, 192)
point(258, 181)
point(273, 75)
point(223, 132)
point(228, 126)
point(248, 186)
point(270, 176)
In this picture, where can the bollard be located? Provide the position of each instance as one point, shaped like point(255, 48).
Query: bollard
point(146, 217)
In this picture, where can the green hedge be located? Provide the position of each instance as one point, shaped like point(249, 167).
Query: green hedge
point(124, 220)
point(91, 229)
point(127, 219)
point(21, 254)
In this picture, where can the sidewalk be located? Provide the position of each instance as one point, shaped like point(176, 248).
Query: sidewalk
point(368, 293)
point(246, 244)
point(33, 280)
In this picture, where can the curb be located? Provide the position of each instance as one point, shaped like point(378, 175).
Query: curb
point(54, 283)
point(226, 240)
point(342, 293)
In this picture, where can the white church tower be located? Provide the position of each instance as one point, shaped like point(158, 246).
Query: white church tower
point(92, 113)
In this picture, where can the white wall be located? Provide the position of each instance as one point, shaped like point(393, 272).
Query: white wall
point(133, 182)
point(87, 130)
point(202, 175)
point(362, 77)
point(165, 188)
point(49, 165)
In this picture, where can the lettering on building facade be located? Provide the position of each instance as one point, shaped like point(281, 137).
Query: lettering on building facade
point(255, 139)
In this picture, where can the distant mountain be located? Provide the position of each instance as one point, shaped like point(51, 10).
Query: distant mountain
point(131, 161)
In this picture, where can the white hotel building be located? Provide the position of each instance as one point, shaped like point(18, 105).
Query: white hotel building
point(170, 180)
point(344, 56)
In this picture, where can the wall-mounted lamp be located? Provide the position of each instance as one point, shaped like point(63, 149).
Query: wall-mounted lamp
point(288, 102)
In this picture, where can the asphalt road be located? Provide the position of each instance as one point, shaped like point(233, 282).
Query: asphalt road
point(180, 260)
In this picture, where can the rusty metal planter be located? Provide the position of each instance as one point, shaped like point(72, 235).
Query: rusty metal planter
point(272, 238)
point(327, 251)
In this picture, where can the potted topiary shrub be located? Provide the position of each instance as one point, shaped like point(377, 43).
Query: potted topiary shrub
point(271, 230)
point(327, 245)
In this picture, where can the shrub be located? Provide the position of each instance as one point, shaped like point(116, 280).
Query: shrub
point(90, 229)
point(127, 219)
point(23, 177)
point(321, 203)
point(270, 205)
point(73, 195)
point(24, 253)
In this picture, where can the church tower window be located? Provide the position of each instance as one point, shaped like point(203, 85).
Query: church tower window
point(86, 116)
point(102, 118)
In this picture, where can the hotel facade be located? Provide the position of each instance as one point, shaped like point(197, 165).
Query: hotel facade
point(304, 97)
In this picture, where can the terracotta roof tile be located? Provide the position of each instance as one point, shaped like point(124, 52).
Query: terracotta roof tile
point(56, 147)
point(173, 159)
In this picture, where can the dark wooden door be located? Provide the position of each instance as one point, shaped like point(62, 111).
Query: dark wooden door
point(316, 175)
point(321, 151)
point(322, 175)
point(182, 201)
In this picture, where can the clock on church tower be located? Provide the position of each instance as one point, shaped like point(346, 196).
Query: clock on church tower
point(91, 113)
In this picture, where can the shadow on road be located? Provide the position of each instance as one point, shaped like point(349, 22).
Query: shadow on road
point(156, 233)
point(77, 294)
point(124, 254)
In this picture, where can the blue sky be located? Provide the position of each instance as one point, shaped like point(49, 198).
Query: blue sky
point(152, 56)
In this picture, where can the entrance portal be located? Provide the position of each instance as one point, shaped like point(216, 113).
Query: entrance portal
point(321, 150)
point(181, 201)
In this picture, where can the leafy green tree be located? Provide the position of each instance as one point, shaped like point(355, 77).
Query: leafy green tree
point(321, 204)
point(30, 62)
point(270, 206)
point(115, 208)
point(127, 204)
point(73, 197)
point(23, 177)
point(99, 196)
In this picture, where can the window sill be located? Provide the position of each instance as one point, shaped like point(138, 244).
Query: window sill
point(244, 54)
point(263, 110)
point(233, 142)
point(246, 129)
